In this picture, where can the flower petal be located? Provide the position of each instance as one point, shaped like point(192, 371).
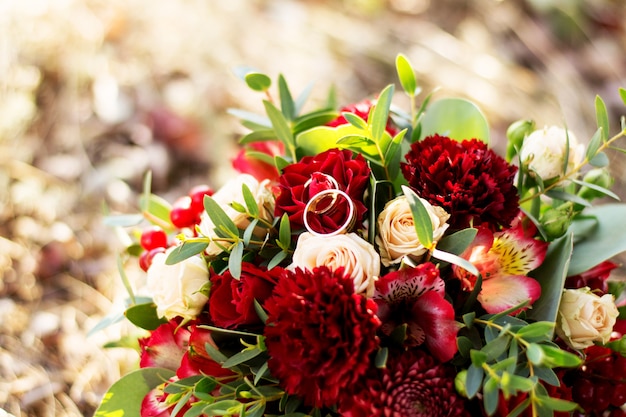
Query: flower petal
point(409, 284)
point(501, 293)
point(518, 254)
point(435, 316)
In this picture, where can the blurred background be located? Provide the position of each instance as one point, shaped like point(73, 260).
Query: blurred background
point(94, 93)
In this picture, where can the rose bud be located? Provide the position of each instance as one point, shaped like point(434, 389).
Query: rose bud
point(597, 176)
point(544, 150)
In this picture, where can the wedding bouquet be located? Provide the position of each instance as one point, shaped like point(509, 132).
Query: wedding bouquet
point(379, 262)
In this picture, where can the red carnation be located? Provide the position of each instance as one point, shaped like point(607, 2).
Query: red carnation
point(413, 384)
point(320, 334)
point(361, 109)
point(467, 179)
point(302, 180)
point(231, 302)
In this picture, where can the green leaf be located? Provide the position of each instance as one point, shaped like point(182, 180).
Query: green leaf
point(257, 81)
point(277, 259)
point(622, 94)
point(547, 375)
point(474, 380)
point(603, 237)
point(125, 220)
point(600, 160)
point(156, 207)
point(221, 408)
point(144, 316)
point(520, 408)
point(406, 74)
point(602, 118)
point(496, 347)
point(262, 371)
point(537, 330)
point(381, 357)
point(281, 125)
point(380, 113)
point(220, 219)
point(357, 141)
point(261, 135)
point(557, 404)
point(251, 119)
point(247, 234)
point(457, 242)
point(456, 118)
point(594, 144)
point(235, 259)
point(455, 260)
point(125, 396)
point(421, 218)
point(597, 188)
point(251, 204)
point(260, 311)
point(355, 120)
point(313, 119)
point(287, 104)
point(565, 196)
point(184, 251)
point(284, 231)
point(551, 276)
point(535, 354)
point(491, 393)
point(323, 138)
point(560, 358)
point(392, 155)
point(243, 356)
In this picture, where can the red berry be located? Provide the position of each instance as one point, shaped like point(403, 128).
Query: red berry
point(145, 259)
point(153, 237)
point(182, 215)
point(197, 197)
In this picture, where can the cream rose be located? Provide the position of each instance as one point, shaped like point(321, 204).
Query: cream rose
point(176, 288)
point(396, 230)
point(356, 255)
point(231, 192)
point(544, 151)
point(585, 317)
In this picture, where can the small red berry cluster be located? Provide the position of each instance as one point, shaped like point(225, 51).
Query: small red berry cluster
point(186, 212)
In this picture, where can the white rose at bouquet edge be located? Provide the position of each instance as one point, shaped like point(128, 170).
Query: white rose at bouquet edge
point(176, 288)
point(585, 317)
point(231, 192)
point(358, 257)
point(397, 237)
point(545, 149)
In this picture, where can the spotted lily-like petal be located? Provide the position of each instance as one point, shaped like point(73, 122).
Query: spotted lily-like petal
point(504, 292)
point(434, 316)
point(518, 254)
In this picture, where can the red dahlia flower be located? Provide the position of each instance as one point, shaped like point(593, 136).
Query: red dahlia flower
point(415, 296)
point(467, 179)
point(301, 181)
point(320, 334)
point(231, 302)
point(361, 109)
point(413, 384)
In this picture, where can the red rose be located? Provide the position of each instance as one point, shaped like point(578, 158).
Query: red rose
point(301, 181)
point(259, 169)
point(231, 301)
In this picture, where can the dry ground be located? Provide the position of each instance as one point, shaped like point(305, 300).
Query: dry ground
point(94, 93)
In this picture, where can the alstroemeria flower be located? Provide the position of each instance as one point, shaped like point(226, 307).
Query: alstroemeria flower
point(165, 346)
point(504, 260)
point(415, 297)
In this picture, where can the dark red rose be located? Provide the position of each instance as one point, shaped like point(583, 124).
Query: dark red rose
point(467, 179)
point(231, 301)
point(413, 384)
point(415, 297)
point(320, 334)
point(595, 278)
point(165, 346)
point(302, 180)
point(259, 169)
point(361, 109)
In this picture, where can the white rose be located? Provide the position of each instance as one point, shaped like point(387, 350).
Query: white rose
point(585, 317)
point(356, 255)
point(544, 150)
point(176, 288)
point(232, 192)
point(396, 230)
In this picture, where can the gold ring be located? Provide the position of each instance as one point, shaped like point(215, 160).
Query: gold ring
point(311, 206)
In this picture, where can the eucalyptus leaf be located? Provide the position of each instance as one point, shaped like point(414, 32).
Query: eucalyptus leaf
point(251, 204)
point(602, 241)
point(184, 251)
point(242, 356)
point(594, 144)
point(565, 196)
point(284, 231)
point(622, 94)
point(124, 220)
point(355, 120)
point(421, 218)
point(598, 188)
point(144, 316)
point(323, 138)
point(457, 242)
point(551, 276)
point(281, 125)
point(406, 74)
point(287, 105)
point(380, 114)
point(313, 119)
point(250, 117)
point(218, 216)
point(261, 135)
point(258, 81)
point(235, 259)
point(456, 118)
point(600, 160)
point(125, 396)
point(157, 207)
point(602, 118)
point(474, 380)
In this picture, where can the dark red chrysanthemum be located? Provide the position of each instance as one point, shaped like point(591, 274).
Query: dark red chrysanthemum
point(467, 179)
point(413, 384)
point(301, 181)
point(320, 334)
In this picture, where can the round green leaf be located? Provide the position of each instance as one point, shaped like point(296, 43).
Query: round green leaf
point(406, 74)
point(258, 81)
point(456, 118)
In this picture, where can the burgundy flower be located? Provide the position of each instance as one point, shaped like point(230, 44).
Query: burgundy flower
point(595, 278)
point(361, 109)
point(301, 181)
point(320, 334)
point(413, 384)
point(259, 169)
point(467, 179)
point(231, 301)
point(165, 346)
point(415, 296)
